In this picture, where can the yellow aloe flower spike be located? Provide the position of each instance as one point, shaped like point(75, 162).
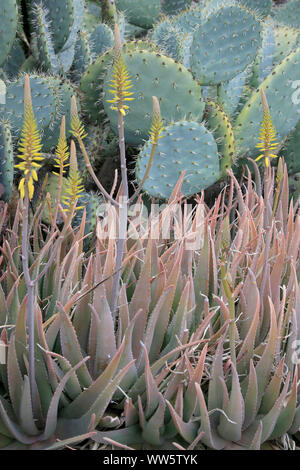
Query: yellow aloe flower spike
point(157, 126)
point(29, 147)
point(267, 136)
point(62, 151)
point(74, 186)
point(120, 81)
point(77, 127)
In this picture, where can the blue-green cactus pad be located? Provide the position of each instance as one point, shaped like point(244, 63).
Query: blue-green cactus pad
point(140, 12)
point(8, 27)
point(186, 146)
point(6, 162)
point(288, 14)
point(152, 74)
point(173, 7)
point(225, 44)
point(44, 99)
point(282, 92)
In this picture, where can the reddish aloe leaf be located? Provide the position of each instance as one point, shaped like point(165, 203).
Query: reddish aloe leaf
point(230, 427)
point(15, 380)
point(141, 300)
point(273, 389)
point(286, 417)
point(264, 365)
point(152, 427)
point(251, 398)
point(25, 414)
point(71, 348)
point(210, 438)
point(270, 419)
point(215, 392)
point(190, 396)
point(186, 430)
point(256, 441)
point(81, 318)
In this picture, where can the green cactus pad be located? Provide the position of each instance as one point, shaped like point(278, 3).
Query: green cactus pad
point(152, 74)
point(219, 124)
point(286, 40)
point(186, 146)
point(265, 58)
point(14, 60)
point(91, 83)
point(291, 149)
point(43, 41)
point(52, 188)
point(6, 162)
point(8, 27)
point(294, 186)
point(60, 18)
point(173, 7)
point(168, 39)
point(101, 39)
point(92, 204)
point(225, 44)
point(282, 94)
point(82, 56)
point(230, 93)
point(261, 7)
point(188, 21)
point(288, 14)
point(65, 90)
point(140, 12)
point(44, 99)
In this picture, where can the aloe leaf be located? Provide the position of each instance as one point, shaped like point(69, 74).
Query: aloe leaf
point(15, 380)
point(130, 435)
point(27, 421)
point(256, 441)
point(285, 419)
point(210, 438)
point(270, 419)
point(232, 428)
point(251, 398)
point(188, 430)
point(52, 415)
point(264, 365)
point(152, 427)
point(141, 300)
point(102, 396)
point(215, 392)
point(273, 389)
point(190, 396)
point(71, 348)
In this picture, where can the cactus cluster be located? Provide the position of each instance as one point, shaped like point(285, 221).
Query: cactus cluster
point(195, 57)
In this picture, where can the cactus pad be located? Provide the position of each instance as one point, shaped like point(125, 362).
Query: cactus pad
point(6, 162)
point(225, 44)
point(140, 12)
point(186, 146)
point(8, 27)
point(153, 74)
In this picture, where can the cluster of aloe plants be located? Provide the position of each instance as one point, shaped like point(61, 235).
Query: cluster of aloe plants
point(175, 329)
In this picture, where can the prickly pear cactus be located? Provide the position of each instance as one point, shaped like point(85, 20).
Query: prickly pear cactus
point(44, 98)
point(153, 74)
point(6, 162)
point(261, 7)
point(8, 27)
point(140, 12)
point(224, 44)
point(168, 38)
point(279, 88)
point(173, 7)
point(92, 205)
point(288, 14)
point(186, 146)
point(291, 151)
